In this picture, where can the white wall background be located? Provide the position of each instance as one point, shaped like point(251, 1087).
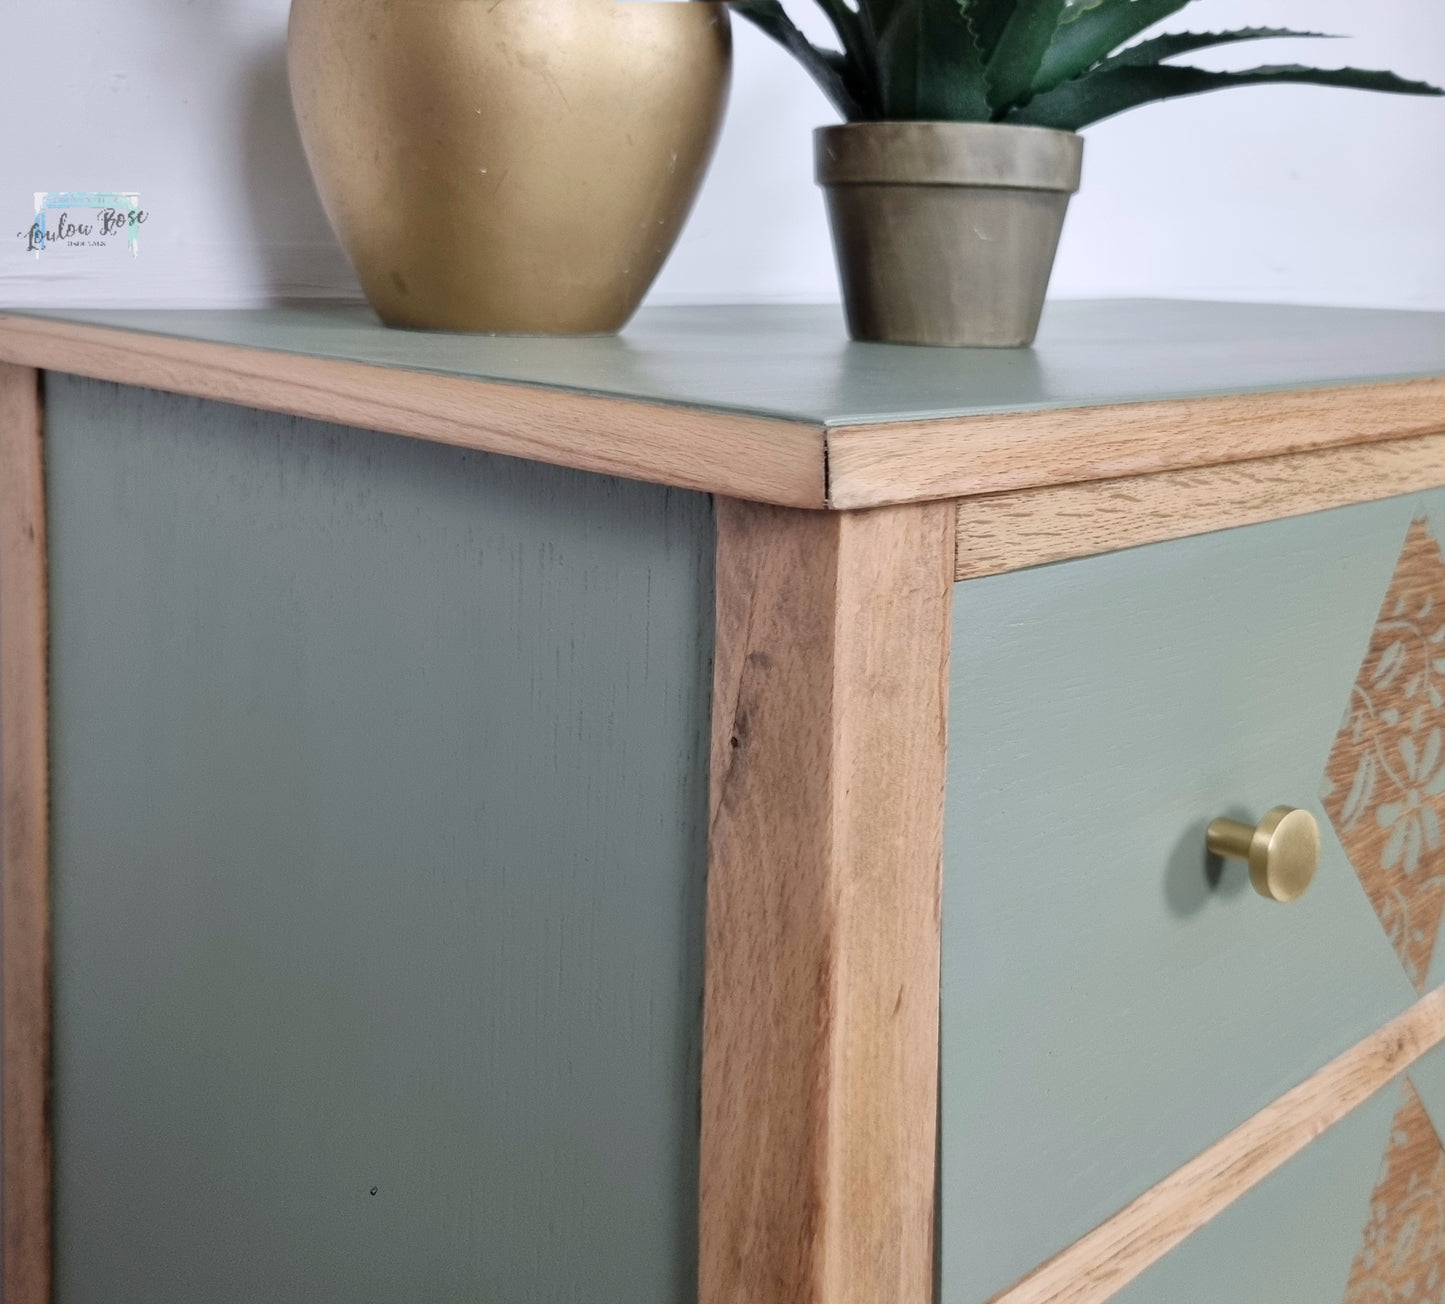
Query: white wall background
point(1297, 194)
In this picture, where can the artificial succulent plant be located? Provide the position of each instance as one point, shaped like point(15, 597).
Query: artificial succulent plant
point(1042, 63)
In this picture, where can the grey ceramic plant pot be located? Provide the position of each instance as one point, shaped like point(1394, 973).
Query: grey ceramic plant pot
point(946, 232)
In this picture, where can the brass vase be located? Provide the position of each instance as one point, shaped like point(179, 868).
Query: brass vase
point(514, 167)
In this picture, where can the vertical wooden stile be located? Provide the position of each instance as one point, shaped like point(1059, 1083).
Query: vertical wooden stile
point(821, 1020)
point(25, 1139)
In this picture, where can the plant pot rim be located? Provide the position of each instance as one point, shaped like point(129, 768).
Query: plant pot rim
point(922, 153)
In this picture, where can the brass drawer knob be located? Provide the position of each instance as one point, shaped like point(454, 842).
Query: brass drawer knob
point(1282, 850)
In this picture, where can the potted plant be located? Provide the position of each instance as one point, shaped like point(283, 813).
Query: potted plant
point(947, 185)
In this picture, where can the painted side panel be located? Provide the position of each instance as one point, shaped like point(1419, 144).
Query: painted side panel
point(380, 804)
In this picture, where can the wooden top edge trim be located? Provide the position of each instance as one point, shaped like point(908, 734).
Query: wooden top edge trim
point(763, 459)
point(961, 420)
point(1113, 1254)
point(776, 460)
point(1004, 452)
point(997, 533)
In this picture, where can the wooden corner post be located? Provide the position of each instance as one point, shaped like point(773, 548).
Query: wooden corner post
point(820, 1041)
point(24, 848)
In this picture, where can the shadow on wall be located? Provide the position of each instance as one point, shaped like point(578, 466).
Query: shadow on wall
point(300, 257)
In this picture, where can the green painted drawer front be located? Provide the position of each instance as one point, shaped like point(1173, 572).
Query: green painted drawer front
point(1354, 1218)
point(380, 833)
point(1112, 1002)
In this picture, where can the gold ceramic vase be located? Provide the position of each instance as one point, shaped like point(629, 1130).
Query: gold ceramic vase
point(517, 166)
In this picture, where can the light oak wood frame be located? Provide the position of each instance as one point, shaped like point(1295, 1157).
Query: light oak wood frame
point(1007, 531)
point(820, 1095)
point(960, 457)
point(792, 462)
point(25, 1136)
point(820, 1030)
point(820, 1091)
point(764, 458)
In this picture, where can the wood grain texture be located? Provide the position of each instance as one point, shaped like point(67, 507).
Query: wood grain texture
point(1094, 1268)
point(821, 1018)
point(804, 462)
point(25, 1173)
point(1003, 532)
point(1384, 784)
point(957, 458)
point(747, 456)
point(1403, 1255)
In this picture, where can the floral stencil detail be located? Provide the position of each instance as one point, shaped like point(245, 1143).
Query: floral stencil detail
point(1384, 785)
point(1403, 1257)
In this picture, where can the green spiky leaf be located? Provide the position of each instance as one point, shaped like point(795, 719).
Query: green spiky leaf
point(988, 18)
point(1058, 63)
point(1093, 32)
point(1103, 93)
point(874, 17)
point(1173, 44)
point(847, 23)
point(929, 65)
point(828, 68)
point(1021, 50)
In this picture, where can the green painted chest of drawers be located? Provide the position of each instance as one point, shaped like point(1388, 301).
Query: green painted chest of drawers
point(720, 814)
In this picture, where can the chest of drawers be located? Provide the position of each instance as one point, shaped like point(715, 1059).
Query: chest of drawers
point(720, 814)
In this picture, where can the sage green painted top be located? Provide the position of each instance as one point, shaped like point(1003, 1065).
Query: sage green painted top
point(797, 362)
point(380, 803)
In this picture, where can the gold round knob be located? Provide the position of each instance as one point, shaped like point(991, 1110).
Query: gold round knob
point(1282, 850)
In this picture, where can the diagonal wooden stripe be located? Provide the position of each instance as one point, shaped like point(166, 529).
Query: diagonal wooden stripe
point(24, 847)
point(1113, 1254)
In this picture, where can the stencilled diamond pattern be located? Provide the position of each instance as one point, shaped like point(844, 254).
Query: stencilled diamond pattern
point(1402, 1260)
point(1384, 787)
